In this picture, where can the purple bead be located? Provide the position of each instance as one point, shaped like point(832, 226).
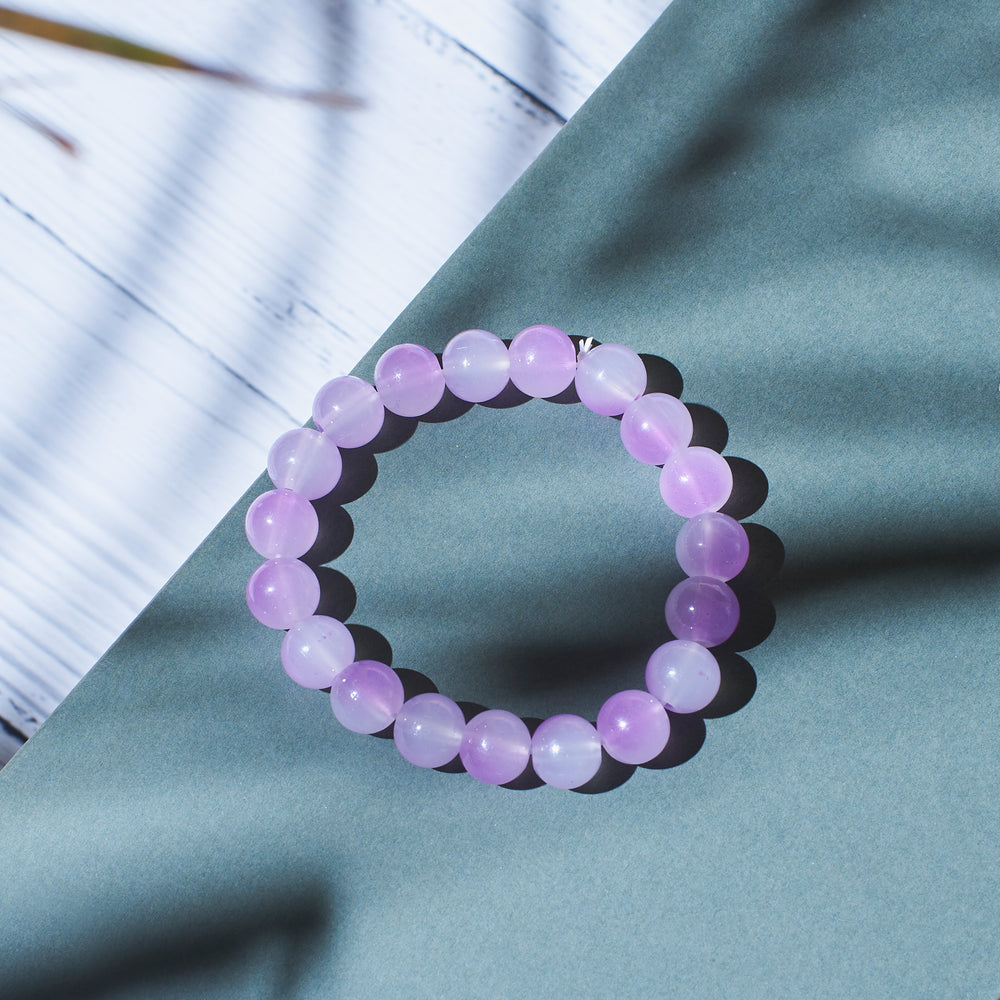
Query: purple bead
point(305, 461)
point(566, 751)
point(683, 675)
point(366, 696)
point(542, 361)
point(694, 480)
point(282, 523)
point(633, 726)
point(655, 426)
point(714, 545)
point(702, 610)
point(609, 377)
point(495, 747)
point(315, 650)
point(476, 365)
point(428, 730)
point(282, 592)
point(348, 411)
point(409, 380)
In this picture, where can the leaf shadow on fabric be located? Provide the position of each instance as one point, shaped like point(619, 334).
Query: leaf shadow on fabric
point(275, 940)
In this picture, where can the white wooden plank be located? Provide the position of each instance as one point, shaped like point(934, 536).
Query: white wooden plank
point(92, 513)
point(557, 50)
point(169, 301)
point(311, 201)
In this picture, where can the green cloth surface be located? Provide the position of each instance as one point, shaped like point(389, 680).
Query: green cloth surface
point(798, 204)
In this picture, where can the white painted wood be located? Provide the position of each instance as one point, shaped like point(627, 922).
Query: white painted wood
point(170, 301)
point(557, 50)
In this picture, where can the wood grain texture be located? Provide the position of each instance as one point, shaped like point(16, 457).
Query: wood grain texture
point(556, 50)
point(171, 299)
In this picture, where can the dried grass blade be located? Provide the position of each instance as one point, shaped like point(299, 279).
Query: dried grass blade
point(121, 48)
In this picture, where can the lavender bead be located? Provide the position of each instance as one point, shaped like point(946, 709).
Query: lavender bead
point(282, 523)
point(633, 726)
point(655, 426)
point(566, 751)
point(609, 377)
point(428, 730)
point(348, 411)
point(683, 675)
point(315, 650)
point(282, 592)
point(702, 610)
point(714, 545)
point(542, 361)
point(409, 380)
point(366, 696)
point(694, 480)
point(305, 461)
point(495, 747)
point(476, 365)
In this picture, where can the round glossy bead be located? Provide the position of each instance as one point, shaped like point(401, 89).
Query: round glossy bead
point(566, 751)
point(349, 411)
point(409, 380)
point(542, 361)
point(694, 480)
point(282, 592)
point(609, 377)
point(476, 365)
point(282, 523)
point(713, 545)
point(702, 610)
point(683, 675)
point(305, 461)
point(366, 696)
point(428, 730)
point(655, 426)
point(633, 726)
point(495, 747)
point(315, 650)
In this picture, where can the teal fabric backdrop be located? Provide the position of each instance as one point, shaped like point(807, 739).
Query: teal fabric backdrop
point(798, 203)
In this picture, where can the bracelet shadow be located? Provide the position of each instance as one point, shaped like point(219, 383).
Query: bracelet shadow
point(688, 732)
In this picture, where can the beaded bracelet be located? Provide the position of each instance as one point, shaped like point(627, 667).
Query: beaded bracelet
point(430, 729)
